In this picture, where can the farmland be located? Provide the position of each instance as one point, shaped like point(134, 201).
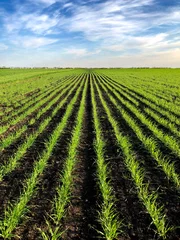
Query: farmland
point(89, 154)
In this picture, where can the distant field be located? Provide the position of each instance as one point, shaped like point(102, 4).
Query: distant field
point(89, 154)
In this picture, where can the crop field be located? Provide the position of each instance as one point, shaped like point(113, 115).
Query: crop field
point(90, 154)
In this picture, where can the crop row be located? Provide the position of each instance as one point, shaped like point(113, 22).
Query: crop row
point(14, 212)
point(148, 198)
point(149, 142)
point(35, 113)
point(29, 107)
point(157, 113)
point(170, 110)
point(130, 115)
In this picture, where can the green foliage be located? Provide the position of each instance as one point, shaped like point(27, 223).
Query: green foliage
point(144, 98)
point(149, 142)
point(13, 162)
point(15, 212)
point(63, 196)
point(137, 172)
point(107, 214)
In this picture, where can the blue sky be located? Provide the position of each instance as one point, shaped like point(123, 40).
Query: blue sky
point(90, 33)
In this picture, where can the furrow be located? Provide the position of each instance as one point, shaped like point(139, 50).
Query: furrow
point(42, 111)
point(63, 195)
point(148, 198)
point(14, 212)
point(108, 219)
point(149, 142)
point(13, 162)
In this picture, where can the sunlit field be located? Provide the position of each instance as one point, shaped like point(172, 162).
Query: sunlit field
point(90, 154)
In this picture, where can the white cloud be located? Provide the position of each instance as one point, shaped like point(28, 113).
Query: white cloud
point(38, 24)
point(52, 59)
point(169, 18)
point(115, 20)
point(46, 2)
point(108, 21)
point(111, 19)
point(77, 51)
point(100, 24)
point(3, 47)
point(141, 43)
point(33, 42)
point(81, 52)
point(68, 5)
point(121, 27)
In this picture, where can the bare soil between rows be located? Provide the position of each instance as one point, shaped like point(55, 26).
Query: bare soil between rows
point(81, 221)
point(169, 195)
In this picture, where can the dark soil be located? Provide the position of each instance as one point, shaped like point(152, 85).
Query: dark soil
point(131, 210)
point(41, 203)
point(11, 149)
point(14, 128)
point(168, 193)
point(11, 185)
point(129, 90)
point(81, 220)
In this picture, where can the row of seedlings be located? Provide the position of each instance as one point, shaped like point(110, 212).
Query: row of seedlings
point(150, 143)
point(15, 211)
point(28, 109)
point(140, 96)
point(151, 102)
point(108, 217)
point(63, 196)
point(154, 113)
point(148, 198)
point(9, 139)
point(167, 139)
point(14, 160)
point(20, 102)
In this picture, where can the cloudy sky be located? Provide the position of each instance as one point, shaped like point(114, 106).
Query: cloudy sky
point(90, 33)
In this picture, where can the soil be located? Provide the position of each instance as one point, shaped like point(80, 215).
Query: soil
point(81, 220)
point(169, 195)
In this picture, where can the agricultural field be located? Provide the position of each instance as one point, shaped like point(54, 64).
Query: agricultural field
point(90, 154)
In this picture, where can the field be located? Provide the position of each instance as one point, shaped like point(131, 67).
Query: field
point(90, 154)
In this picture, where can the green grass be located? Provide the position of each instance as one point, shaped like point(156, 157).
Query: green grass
point(148, 141)
point(108, 217)
point(14, 212)
point(148, 198)
point(63, 196)
point(6, 141)
point(138, 104)
point(14, 161)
